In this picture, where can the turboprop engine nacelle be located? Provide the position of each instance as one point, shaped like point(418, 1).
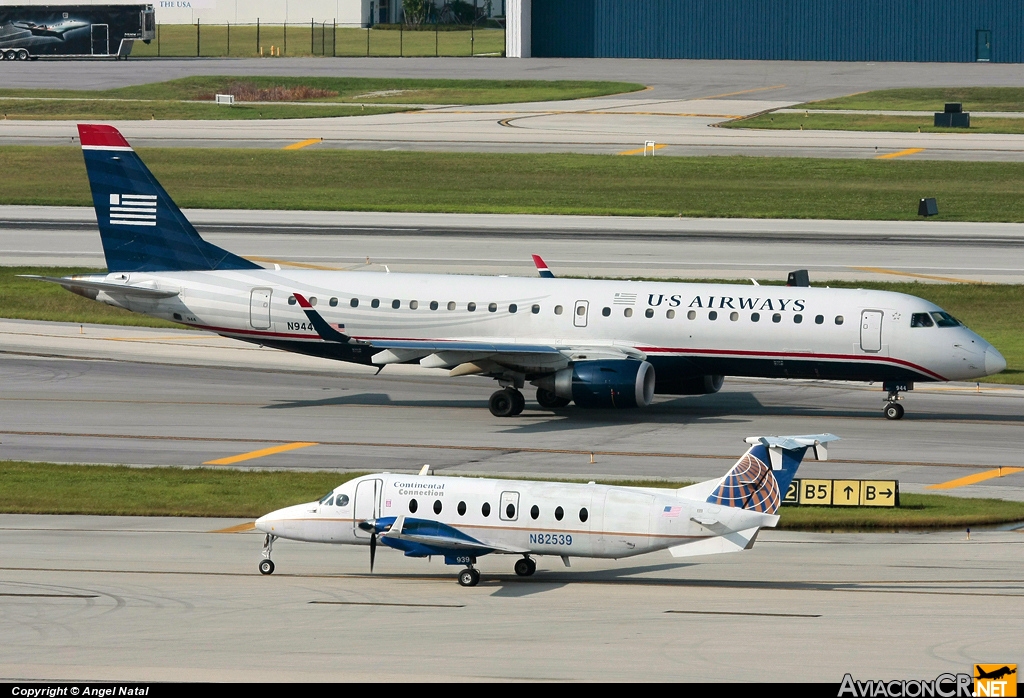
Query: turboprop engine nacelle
point(616, 383)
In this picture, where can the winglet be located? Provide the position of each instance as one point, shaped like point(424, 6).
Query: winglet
point(322, 327)
point(542, 267)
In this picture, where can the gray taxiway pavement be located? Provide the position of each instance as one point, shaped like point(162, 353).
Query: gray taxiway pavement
point(94, 394)
point(117, 598)
point(927, 251)
point(686, 98)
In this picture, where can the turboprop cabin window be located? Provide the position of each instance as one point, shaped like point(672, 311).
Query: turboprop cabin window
point(558, 513)
point(461, 508)
point(584, 515)
point(437, 506)
point(921, 320)
point(534, 511)
point(486, 509)
point(413, 506)
point(945, 320)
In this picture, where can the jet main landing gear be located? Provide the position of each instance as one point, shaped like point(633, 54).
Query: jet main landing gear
point(266, 564)
point(507, 402)
point(525, 567)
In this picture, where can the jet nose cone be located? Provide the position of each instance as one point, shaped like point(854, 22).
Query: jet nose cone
point(994, 361)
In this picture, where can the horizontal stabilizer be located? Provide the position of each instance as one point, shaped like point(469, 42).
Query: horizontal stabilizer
point(728, 543)
point(112, 289)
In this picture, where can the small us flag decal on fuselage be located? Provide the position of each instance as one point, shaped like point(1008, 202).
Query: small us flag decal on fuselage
point(133, 209)
point(672, 512)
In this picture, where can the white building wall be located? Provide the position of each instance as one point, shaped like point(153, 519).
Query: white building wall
point(517, 28)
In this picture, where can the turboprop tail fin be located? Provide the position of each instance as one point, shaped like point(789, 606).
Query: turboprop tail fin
point(760, 478)
point(140, 226)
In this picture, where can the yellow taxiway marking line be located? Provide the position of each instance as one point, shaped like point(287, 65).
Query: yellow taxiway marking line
point(977, 477)
point(303, 144)
point(742, 92)
point(899, 154)
point(231, 460)
point(285, 262)
point(637, 151)
point(240, 528)
point(894, 272)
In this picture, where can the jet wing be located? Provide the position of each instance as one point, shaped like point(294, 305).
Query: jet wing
point(442, 353)
point(117, 289)
point(442, 536)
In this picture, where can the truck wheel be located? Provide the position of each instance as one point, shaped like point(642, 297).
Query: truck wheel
point(22, 55)
point(8, 55)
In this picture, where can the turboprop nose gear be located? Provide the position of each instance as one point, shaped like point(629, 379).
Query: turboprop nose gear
point(893, 409)
point(266, 564)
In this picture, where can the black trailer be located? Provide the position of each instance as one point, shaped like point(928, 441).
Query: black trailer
point(73, 31)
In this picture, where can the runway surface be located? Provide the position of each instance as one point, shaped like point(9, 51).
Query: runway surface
point(685, 100)
point(94, 394)
point(925, 251)
point(110, 598)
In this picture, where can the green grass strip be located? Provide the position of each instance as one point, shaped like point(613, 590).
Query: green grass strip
point(364, 90)
point(343, 180)
point(931, 99)
point(50, 488)
point(871, 122)
point(110, 110)
point(991, 310)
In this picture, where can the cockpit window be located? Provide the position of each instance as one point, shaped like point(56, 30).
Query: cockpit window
point(341, 501)
point(945, 320)
point(921, 320)
point(326, 501)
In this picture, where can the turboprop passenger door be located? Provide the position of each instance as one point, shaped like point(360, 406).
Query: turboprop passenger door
point(871, 330)
point(366, 505)
point(579, 316)
point(259, 309)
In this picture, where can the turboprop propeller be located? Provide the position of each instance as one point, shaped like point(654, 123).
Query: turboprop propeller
point(371, 526)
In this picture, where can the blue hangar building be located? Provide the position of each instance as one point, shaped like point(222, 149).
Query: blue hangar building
point(955, 31)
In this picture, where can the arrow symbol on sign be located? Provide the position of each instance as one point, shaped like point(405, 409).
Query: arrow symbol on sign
point(887, 493)
point(849, 491)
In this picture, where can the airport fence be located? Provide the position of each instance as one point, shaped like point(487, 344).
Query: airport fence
point(322, 39)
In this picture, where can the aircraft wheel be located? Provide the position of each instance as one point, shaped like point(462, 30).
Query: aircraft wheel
point(524, 567)
point(894, 410)
point(547, 399)
point(518, 402)
point(266, 567)
point(469, 578)
point(22, 55)
point(502, 404)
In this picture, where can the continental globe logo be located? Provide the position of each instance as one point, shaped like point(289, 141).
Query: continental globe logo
point(995, 680)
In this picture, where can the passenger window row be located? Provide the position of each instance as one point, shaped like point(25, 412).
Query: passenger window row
point(510, 510)
point(917, 320)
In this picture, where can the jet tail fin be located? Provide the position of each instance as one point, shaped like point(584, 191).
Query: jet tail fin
point(141, 228)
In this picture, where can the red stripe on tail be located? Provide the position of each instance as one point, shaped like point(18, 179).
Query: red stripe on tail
point(101, 136)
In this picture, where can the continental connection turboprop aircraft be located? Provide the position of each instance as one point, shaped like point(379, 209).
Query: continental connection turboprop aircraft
point(595, 343)
point(463, 518)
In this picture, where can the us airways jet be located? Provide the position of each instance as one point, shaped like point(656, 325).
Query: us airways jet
point(463, 518)
point(596, 343)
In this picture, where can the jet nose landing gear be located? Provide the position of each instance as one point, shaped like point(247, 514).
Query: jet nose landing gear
point(893, 409)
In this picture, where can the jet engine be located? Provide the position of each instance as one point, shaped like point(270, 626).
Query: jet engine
point(616, 383)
